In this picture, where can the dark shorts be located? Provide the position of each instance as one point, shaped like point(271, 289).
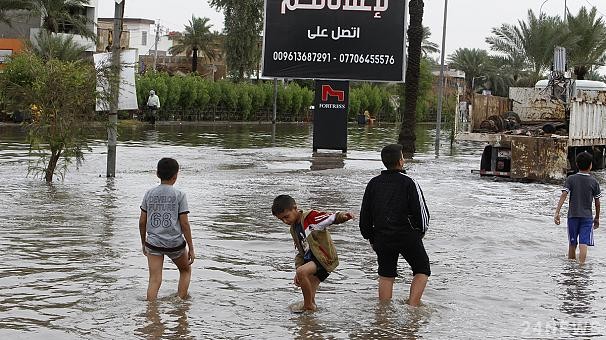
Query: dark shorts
point(321, 272)
point(413, 252)
point(580, 230)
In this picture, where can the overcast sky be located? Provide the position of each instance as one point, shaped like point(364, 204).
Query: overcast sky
point(469, 21)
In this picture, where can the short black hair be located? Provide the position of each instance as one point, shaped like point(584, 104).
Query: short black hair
point(391, 155)
point(584, 160)
point(281, 203)
point(167, 168)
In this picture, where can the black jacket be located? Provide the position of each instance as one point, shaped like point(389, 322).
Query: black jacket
point(393, 208)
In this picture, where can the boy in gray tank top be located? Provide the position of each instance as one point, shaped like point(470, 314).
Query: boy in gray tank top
point(165, 230)
point(583, 189)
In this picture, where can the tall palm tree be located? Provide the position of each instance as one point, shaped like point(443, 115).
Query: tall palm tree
point(587, 42)
point(57, 15)
point(407, 136)
point(197, 39)
point(473, 61)
point(534, 39)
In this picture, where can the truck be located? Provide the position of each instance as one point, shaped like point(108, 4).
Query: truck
point(536, 133)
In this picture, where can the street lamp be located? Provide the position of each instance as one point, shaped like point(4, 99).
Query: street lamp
point(541, 8)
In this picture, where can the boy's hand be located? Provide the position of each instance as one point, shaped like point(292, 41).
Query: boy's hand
point(296, 281)
point(192, 256)
point(556, 218)
point(596, 222)
point(143, 248)
point(350, 216)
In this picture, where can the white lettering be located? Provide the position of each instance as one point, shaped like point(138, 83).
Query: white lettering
point(346, 5)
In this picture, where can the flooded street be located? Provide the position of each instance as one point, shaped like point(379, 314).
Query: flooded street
point(72, 267)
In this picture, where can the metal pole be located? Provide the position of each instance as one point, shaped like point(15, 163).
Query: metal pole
point(274, 118)
point(156, 45)
point(565, 11)
point(441, 93)
point(112, 129)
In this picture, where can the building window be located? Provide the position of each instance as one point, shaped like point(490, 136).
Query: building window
point(144, 38)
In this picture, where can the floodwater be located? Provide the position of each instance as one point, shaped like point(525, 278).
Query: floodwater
point(71, 265)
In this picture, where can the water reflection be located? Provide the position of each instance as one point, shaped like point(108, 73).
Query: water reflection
point(577, 296)
point(308, 326)
point(394, 321)
point(166, 319)
point(327, 161)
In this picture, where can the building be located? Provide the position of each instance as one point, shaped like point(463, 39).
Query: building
point(26, 27)
point(136, 34)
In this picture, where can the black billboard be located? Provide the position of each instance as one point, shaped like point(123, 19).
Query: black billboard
point(335, 39)
point(330, 115)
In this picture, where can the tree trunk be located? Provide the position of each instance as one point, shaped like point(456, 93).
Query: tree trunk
point(407, 135)
point(52, 165)
point(194, 61)
point(581, 72)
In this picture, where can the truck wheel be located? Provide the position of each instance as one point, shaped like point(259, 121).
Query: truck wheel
point(598, 158)
point(486, 160)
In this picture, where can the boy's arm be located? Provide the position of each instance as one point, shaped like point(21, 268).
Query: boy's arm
point(186, 230)
point(143, 228)
point(556, 217)
point(366, 222)
point(419, 214)
point(343, 217)
point(596, 219)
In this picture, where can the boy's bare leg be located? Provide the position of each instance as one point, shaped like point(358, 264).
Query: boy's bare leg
point(306, 276)
point(184, 275)
point(155, 264)
point(385, 288)
point(315, 283)
point(572, 252)
point(582, 253)
point(417, 287)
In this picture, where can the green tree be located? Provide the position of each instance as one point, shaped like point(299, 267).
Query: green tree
point(243, 26)
point(49, 46)
point(197, 39)
point(586, 46)
point(407, 136)
point(428, 47)
point(10, 5)
point(61, 97)
point(535, 40)
point(474, 62)
point(57, 15)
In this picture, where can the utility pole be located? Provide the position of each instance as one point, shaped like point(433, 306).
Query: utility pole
point(156, 44)
point(274, 117)
point(112, 129)
point(441, 94)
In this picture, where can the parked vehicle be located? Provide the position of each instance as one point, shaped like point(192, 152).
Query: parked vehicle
point(536, 133)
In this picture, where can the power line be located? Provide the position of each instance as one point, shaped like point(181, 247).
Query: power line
point(596, 8)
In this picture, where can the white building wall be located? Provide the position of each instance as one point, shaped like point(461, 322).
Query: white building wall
point(137, 38)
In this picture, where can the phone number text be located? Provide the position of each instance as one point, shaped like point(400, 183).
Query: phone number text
point(325, 57)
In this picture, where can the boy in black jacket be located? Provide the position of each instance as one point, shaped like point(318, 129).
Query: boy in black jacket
point(394, 218)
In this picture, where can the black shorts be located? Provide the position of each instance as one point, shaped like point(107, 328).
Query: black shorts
point(321, 272)
point(413, 252)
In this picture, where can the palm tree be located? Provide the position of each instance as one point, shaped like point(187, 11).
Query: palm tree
point(535, 40)
point(57, 15)
point(407, 136)
point(50, 46)
point(428, 47)
point(11, 5)
point(587, 42)
point(473, 61)
point(196, 39)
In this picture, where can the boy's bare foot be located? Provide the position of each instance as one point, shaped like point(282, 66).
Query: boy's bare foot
point(310, 308)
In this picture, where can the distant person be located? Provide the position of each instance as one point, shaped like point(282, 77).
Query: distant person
point(153, 105)
point(394, 218)
point(583, 188)
point(165, 230)
point(316, 254)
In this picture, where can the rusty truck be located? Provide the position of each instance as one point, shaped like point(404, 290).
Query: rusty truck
point(536, 133)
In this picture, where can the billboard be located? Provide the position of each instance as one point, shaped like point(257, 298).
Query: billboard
point(335, 39)
point(330, 115)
